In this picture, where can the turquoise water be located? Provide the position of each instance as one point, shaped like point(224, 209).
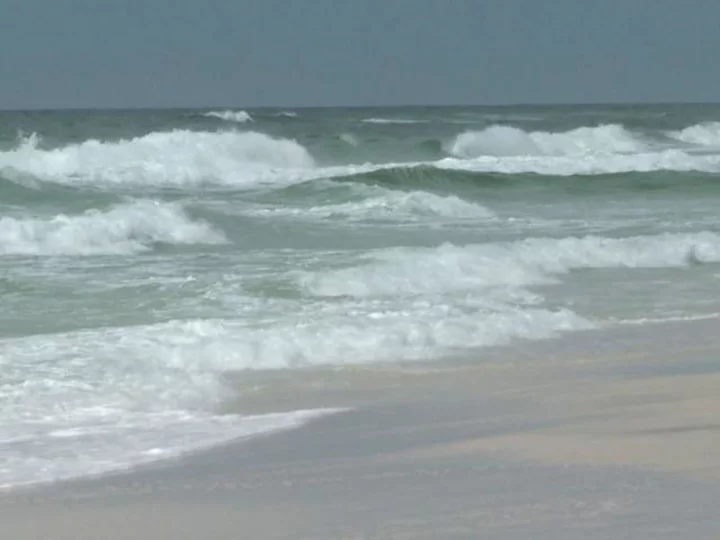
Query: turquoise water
point(145, 254)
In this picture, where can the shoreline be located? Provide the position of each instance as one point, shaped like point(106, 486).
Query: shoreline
point(622, 445)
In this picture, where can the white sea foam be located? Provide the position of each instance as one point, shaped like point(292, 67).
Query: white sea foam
point(419, 303)
point(704, 134)
point(62, 448)
point(607, 149)
point(176, 365)
point(190, 159)
point(95, 400)
point(592, 164)
point(604, 149)
point(127, 395)
point(370, 332)
point(642, 321)
point(92, 401)
point(125, 228)
point(230, 116)
point(501, 140)
point(165, 159)
point(526, 262)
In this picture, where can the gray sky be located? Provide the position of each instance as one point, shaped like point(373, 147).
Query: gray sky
point(176, 53)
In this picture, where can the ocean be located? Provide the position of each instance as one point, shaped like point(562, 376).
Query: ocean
point(152, 260)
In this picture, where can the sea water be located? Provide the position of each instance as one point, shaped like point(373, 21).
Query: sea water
point(145, 255)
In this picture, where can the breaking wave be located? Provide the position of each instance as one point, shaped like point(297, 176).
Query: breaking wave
point(162, 159)
point(604, 149)
point(704, 134)
point(593, 164)
point(230, 116)
point(510, 141)
point(125, 228)
point(531, 261)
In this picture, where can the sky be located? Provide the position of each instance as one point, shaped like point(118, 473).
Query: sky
point(245, 53)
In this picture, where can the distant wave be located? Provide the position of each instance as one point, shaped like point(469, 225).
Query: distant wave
point(230, 116)
point(592, 164)
point(349, 138)
point(501, 140)
point(246, 160)
point(508, 141)
point(466, 179)
point(125, 228)
point(704, 134)
point(391, 121)
point(566, 166)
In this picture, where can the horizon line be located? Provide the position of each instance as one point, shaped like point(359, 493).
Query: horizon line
point(382, 106)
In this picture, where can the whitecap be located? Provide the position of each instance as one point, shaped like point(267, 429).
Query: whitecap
point(239, 117)
point(125, 228)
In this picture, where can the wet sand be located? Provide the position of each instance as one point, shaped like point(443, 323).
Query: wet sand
point(603, 436)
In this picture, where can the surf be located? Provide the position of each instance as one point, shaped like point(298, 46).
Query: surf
point(121, 229)
point(179, 158)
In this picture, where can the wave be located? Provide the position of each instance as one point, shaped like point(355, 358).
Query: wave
point(391, 121)
point(602, 150)
point(87, 402)
point(503, 171)
point(180, 360)
point(246, 160)
point(20, 190)
point(161, 159)
point(378, 204)
point(592, 164)
point(704, 134)
point(472, 183)
point(501, 140)
point(125, 228)
point(359, 334)
point(230, 116)
point(532, 261)
point(349, 138)
point(46, 449)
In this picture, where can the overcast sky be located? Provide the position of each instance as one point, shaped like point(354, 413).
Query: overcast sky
point(177, 53)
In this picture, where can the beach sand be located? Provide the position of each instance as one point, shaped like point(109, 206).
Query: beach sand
point(612, 435)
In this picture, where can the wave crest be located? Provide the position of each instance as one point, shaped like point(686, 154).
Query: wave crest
point(704, 134)
point(162, 159)
point(501, 140)
point(386, 205)
point(125, 228)
point(239, 117)
point(668, 160)
point(527, 262)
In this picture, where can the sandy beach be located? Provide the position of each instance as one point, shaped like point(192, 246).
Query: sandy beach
point(622, 444)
